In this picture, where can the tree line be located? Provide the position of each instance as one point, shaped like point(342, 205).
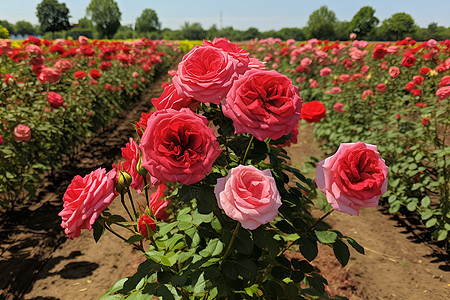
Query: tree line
point(102, 20)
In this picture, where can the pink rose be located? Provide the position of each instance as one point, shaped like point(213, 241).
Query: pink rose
point(432, 43)
point(344, 78)
point(178, 146)
point(206, 74)
point(48, 74)
point(85, 199)
point(443, 93)
point(353, 178)
point(22, 133)
point(249, 196)
point(170, 99)
point(366, 94)
point(418, 79)
point(55, 99)
point(325, 71)
point(338, 107)
point(255, 63)
point(352, 35)
point(381, 87)
point(158, 204)
point(313, 84)
point(264, 104)
point(336, 90)
point(1, 139)
point(394, 71)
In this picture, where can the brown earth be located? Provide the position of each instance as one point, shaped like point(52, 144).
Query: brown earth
point(39, 262)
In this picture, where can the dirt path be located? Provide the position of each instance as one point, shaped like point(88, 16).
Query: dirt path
point(396, 265)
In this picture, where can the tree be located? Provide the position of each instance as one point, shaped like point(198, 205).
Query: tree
point(342, 30)
point(193, 31)
point(53, 16)
point(148, 21)
point(364, 22)
point(24, 28)
point(398, 26)
point(291, 33)
point(105, 14)
point(321, 24)
point(250, 33)
point(8, 26)
point(85, 23)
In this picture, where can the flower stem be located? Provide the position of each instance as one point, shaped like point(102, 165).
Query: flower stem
point(248, 148)
point(132, 204)
point(145, 187)
point(115, 233)
point(122, 199)
point(230, 245)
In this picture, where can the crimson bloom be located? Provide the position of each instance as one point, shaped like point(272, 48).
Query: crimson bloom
point(55, 99)
point(313, 112)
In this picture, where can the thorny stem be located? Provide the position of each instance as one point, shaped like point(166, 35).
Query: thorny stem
point(230, 245)
point(309, 229)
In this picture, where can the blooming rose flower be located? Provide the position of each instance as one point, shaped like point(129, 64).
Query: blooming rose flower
point(383, 65)
point(336, 90)
point(409, 59)
point(145, 223)
point(338, 107)
point(381, 87)
point(158, 204)
point(55, 99)
point(95, 74)
point(366, 94)
point(416, 92)
point(379, 52)
point(418, 79)
point(249, 196)
point(443, 93)
point(178, 146)
point(352, 35)
point(344, 78)
point(444, 81)
point(426, 121)
point(255, 63)
point(394, 71)
point(48, 74)
point(85, 199)
point(264, 104)
point(79, 74)
point(424, 70)
point(353, 178)
point(170, 99)
point(325, 71)
point(22, 133)
point(313, 84)
point(313, 112)
point(1, 139)
point(207, 73)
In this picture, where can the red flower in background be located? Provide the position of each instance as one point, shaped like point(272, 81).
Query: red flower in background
point(313, 112)
point(379, 52)
point(95, 74)
point(55, 99)
point(424, 70)
point(409, 59)
point(48, 74)
point(79, 74)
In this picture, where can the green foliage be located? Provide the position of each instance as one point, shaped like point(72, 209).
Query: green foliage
point(24, 28)
point(398, 26)
point(4, 34)
point(8, 26)
point(364, 22)
point(53, 16)
point(147, 22)
point(321, 23)
point(105, 14)
point(192, 31)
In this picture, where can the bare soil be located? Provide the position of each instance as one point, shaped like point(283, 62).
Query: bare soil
point(39, 262)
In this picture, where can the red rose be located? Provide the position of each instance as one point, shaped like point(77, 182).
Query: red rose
point(366, 94)
point(206, 74)
point(416, 92)
point(379, 52)
point(313, 112)
point(145, 223)
point(142, 124)
point(443, 93)
point(95, 74)
point(178, 146)
point(381, 87)
point(55, 99)
point(418, 80)
point(264, 104)
point(158, 204)
point(79, 74)
point(424, 70)
point(1, 140)
point(410, 85)
point(426, 121)
point(409, 59)
point(444, 81)
point(344, 78)
point(394, 72)
point(105, 65)
point(170, 99)
point(85, 199)
point(47, 74)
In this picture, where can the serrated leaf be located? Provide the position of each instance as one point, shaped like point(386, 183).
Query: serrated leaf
point(326, 237)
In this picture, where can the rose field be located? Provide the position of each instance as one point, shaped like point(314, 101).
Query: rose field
point(270, 169)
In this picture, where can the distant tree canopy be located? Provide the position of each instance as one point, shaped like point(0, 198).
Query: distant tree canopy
point(8, 26)
point(364, 22)
point(193, 31)
point(398, 25)
point(24, 28)
point(105, 14)
point(148, 21)
point(321, 23)
point(53, 16)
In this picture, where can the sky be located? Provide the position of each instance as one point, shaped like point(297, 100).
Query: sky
point(241, 14)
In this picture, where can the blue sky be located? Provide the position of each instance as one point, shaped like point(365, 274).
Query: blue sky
point(242, 14)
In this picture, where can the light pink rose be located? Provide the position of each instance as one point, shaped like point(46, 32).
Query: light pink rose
point(249, 196)
point(264, 104)
point(338, 107)
point(85, 199)
point(207, 73)
point(353, 178)
point(48, 74)
point(394, 71)
point(178, 146)
point(352, 35)
point(336, 90)
point(22, 133)
point(325, 71)
point(432, 43)
point(443, 93)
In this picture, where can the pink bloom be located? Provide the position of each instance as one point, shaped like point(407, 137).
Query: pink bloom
point(170, 99)
point(313, 84)
point(22, 133)
point(443, 93)
point(418, 79)
point(264, 104)
point(432, 43)
point(249, 196)
point(352, 36)
point(344, 78)
point(381, 87)
point(255, 63)
point(55, 99)
point(158, 204)
point(305, 61)
point(394, 71)
point(48, 74)
point(336, 90)
point(338, 107)
point(178, 146)
point(135, 74)
point(85, 199)
point(325, 71)
point(353, 178)
point(366, 94)
point(83, 40)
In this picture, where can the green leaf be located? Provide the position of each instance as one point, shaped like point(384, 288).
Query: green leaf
point(198, 218)
point(442, 235)
point(284, 226)
point(426, 201)
point(308, 248)
point(341, 252)
point(246, 268)
point(169, 259)
point(99, 229)
point(431, 222)
point(355, 245)
point(183, 225)
point(164, 228)
point(200, 285)
point(115, 219)
point(135, 238)
point(215, 247)
point(326, 237)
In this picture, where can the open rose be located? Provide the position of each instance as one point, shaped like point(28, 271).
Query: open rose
point(178, 146)
point(207, 73)
point(55, 99)
point(170, 99)
point(48, 74)
point(85, 199)
point(264, 104)
point(313, 112)
point(394, 71)
point(22, 133)
point(249, 196)
point(353, 178)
